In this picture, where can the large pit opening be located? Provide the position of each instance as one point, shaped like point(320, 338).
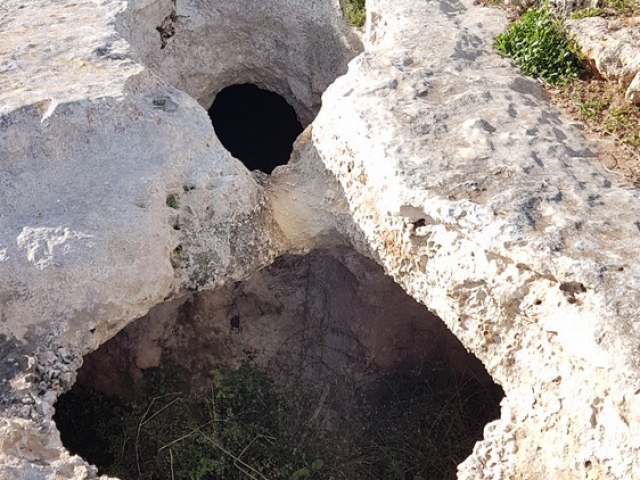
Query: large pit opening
point(258, 127)
point(318, 366)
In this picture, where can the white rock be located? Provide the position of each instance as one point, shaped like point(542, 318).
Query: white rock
point(612, 45)
point(428, 120)
point(524, 206)
point(633, 90)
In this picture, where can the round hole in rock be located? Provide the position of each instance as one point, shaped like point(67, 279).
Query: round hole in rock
point(258, 127)
point(318, 366)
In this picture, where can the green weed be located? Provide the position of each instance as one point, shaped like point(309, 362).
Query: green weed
point(355, 12)
point(587, 12)
point(172, 201)
point(592, 108)
point(602, 108)
point(609, 7)
point(539, 45)
point(241, 430)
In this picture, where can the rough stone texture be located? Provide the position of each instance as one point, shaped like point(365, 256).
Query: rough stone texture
point(330, 316)
point(85, 179)
point(293, 48)
point(450, 170)
point(485, 205)
point(314, 213)
point(612, 47)
point(91, 146)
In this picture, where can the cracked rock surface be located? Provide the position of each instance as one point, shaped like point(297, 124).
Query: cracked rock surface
point(430, 155)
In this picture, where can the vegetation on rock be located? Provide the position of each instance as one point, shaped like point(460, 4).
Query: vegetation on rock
point(539, 45)
point(355, 12)
point(172, 201)
point(607, 8)
point(601, 107)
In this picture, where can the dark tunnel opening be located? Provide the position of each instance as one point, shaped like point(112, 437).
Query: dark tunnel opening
point(258, 127)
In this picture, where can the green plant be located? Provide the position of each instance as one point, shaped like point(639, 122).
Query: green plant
point(355, 11)
point(587, 12)
point(172, 201)
point(305, 472)
point(603, 109)
point(592, 108)
point(243, 429)
point(608, 7)
point(539, 45)
point(620, 121)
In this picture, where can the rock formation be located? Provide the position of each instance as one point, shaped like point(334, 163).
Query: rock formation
point(430, 154)
point(612, 47)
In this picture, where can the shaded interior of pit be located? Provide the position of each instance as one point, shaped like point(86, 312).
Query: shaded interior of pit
point(258, 127)
point(318, 366)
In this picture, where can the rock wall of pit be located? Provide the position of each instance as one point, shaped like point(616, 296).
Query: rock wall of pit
point(295, 49)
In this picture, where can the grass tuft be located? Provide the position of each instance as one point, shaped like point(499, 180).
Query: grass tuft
point(601, 106)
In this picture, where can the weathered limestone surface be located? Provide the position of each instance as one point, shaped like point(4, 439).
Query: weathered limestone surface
point(485, 205)
point(442, 164)
point(91, 146)
point(293, 48)
point(612, 46)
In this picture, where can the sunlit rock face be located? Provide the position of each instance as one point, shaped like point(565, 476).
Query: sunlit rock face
point(612, 49)
point(430, 155)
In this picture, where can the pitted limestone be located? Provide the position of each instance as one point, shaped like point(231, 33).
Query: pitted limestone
point(445, 165)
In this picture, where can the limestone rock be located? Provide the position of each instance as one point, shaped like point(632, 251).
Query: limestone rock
point(612, 46)
point(442, 164)
point(293, 48)
point(311, 214)
point(515, 208)
point(92, 146)
point(633, 90)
